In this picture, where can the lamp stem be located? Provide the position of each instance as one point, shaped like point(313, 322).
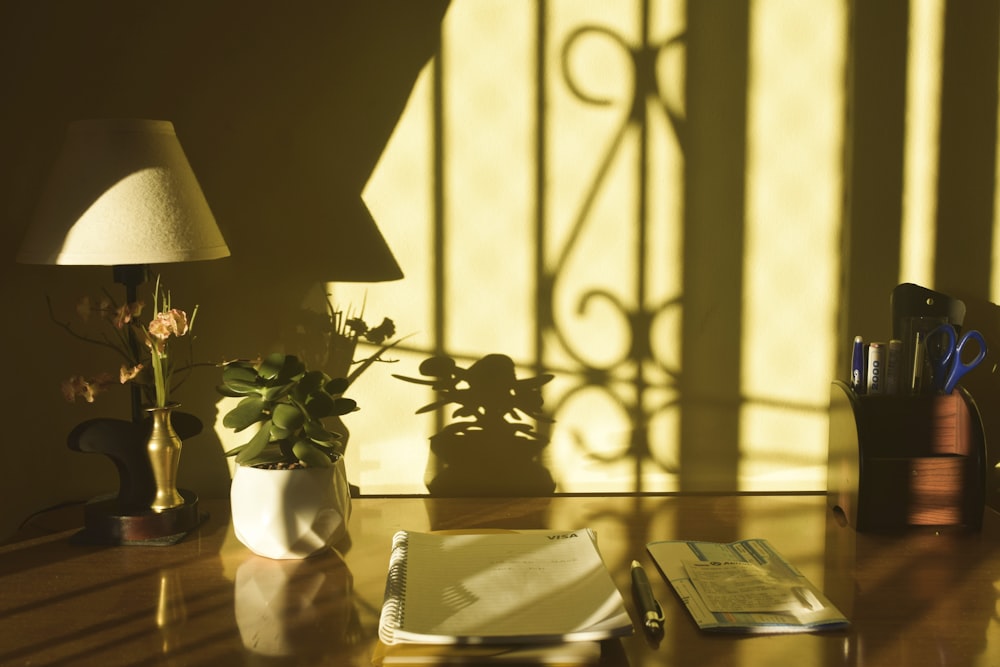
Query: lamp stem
point(131, 276)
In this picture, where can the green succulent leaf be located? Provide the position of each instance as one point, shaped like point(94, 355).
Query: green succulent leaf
point(319, 405)
point(239, 372)
point(241, 388)
point(306, 452)
point(255, 447)
point(236, 450)
point(287, 416)
point(247, 412)
point(279, 433)
point(271, 365)
point(336, 386)
point(239, 379)
point(276, 392)
point(226, 391)
point(343, 406)
point(310, 382)
point(319, 434)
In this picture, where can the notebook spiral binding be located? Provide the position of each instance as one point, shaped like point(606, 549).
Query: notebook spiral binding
point(393, 604)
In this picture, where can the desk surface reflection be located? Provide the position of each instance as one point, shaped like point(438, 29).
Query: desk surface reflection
point(919, 597)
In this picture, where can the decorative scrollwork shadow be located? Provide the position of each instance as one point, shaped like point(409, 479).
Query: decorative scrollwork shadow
point(631, 372)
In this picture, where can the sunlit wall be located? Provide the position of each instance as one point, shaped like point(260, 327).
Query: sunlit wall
point(794, 190)
point(922, 126)
point(533, 193)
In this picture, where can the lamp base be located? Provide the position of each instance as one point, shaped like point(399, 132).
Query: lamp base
point(106, 523)
point(125, 518)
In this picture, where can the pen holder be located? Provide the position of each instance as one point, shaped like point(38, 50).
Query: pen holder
point(897, 461)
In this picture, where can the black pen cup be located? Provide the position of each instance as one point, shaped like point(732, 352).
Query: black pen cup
point(897, 461)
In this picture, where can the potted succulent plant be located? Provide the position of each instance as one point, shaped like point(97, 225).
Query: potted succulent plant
point(290, 497)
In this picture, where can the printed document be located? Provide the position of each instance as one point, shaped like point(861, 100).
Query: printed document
point(744, 586)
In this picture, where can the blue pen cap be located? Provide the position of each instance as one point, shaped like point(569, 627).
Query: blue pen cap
point(858, 366)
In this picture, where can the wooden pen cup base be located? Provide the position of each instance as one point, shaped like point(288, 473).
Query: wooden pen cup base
point(897, 461)
point(106, 523)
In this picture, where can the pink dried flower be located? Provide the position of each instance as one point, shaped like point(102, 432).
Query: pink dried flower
point(126, 374)
point(172, 322)
point(149, 369)
point(180, 321)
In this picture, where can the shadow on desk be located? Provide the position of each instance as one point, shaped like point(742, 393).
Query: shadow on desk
point(915, 592)
point(48, 537)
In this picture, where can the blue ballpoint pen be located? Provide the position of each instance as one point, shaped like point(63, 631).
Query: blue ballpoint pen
point(858, 366)
point(649, 608)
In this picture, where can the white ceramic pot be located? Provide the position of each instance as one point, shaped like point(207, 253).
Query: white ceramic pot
point(290, 513)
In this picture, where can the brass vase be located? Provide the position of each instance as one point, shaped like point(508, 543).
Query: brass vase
point(164, 448)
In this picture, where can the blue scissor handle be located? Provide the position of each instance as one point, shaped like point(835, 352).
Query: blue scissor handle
point(949, 367)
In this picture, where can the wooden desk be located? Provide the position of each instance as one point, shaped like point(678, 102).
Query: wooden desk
point(924, 597)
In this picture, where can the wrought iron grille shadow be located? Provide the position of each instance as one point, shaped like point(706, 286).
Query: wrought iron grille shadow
point(639, 383)
point(626, 380)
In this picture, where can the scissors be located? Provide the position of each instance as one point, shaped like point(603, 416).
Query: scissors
point(947, 356)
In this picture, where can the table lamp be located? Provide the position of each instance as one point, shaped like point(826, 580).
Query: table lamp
point(122, 194)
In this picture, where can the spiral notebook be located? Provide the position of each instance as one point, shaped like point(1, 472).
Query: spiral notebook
point(531, 587)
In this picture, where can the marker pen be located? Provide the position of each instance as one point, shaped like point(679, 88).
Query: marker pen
point(876, 368)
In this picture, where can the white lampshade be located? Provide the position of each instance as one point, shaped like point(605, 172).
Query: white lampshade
point(122, 193)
